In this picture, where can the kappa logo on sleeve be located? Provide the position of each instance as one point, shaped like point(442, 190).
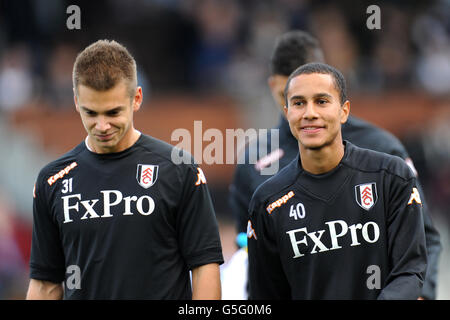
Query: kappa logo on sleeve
point(146, 175)
point(250, 231)
point(415, 196)
point(366, 195)
point(279, 202)
point(200, 177)
point(61, 173)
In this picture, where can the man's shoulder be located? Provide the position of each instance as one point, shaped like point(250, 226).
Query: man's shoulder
point(368, 160)
point(61, 165)
point(166, 153)
point(277, 184)
point(366, 135)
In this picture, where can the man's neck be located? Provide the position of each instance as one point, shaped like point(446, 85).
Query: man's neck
point(323, 160)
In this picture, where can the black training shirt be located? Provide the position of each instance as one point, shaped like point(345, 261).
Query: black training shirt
point(248, 177)
point(355, 232)
point(129, 225)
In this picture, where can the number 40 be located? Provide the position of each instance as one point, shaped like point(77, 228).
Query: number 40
point(298, 212)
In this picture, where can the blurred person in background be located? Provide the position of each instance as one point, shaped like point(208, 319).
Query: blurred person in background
point(292, 50)
point(59, 89)
point(16, 78)
point(431, 35)
point(12, 264)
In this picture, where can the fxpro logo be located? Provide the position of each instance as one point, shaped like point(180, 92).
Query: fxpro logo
point(145, 205)
point(369, 232)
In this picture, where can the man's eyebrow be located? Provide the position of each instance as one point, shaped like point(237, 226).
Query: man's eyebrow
point(296, 97)
point(86, 109)
point(317, 95)
point(118, 108)
point(322, 95)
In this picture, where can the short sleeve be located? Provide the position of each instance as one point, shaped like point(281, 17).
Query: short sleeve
point(406, 242)
point(267, 279)
point(47, 256)
point(197, 228)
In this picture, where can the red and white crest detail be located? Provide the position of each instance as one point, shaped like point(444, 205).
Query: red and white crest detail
point(146, 175)
point(366, 195)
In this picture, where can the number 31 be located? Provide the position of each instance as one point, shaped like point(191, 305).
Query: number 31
point(67, 185)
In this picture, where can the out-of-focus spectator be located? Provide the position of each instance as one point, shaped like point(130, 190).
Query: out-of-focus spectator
point(339, 46)
point(244, 76)
point(218, 23)
point(436, 142)
point(431, 34)
point(59, 92)
point(12, 263)
point(393, 59)
point(16, 78)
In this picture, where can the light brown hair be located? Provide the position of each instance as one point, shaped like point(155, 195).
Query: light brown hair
point(104, 64)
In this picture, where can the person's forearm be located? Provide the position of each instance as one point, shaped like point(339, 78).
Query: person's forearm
point(206, 282)
point(44, 290)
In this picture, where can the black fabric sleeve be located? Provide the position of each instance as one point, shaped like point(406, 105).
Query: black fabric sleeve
point(434, 248)
point(267, 280)
point(47, 256)
point(406, 242)
point(197, 228)
point(239, 196)
point(433, 242)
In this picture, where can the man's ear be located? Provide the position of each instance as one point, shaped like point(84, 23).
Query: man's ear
point(138, 98)
point(345, 111)
point(75, 100)
point(285, 110)
point(271, 82)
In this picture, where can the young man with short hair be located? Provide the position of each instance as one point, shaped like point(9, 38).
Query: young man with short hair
point(339, 222)
point(115, 218)
point(293, 49)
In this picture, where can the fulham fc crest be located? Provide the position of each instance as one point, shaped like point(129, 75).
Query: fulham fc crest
point(146, 175)
point(366, 195)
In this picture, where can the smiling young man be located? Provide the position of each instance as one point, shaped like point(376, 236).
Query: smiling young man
point(115, 218)
point(339, 222)
point(291, 50)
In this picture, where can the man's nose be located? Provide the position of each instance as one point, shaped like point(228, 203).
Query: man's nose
point(102, 124)
point(310, 111)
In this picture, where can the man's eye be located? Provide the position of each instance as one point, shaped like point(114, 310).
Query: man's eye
point(90, 113)
point(112, 113)
point(322, 101)
point(298, 103)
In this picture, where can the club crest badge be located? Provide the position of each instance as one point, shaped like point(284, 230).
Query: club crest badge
point(366, 195)
point(146, 175)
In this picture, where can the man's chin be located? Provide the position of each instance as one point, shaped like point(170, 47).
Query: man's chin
point(312, 145)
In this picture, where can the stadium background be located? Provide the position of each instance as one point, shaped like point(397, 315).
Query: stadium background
point(208, 60)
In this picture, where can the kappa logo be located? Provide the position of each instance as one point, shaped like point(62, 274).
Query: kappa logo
point(415, 196)
point(279, 202)
point(146, 175)
point(61, 173)
point(250, 231)
point(201, 179)
point(366, 195)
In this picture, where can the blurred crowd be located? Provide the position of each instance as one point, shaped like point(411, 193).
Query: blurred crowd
point(213, 45)
point(216, 46)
